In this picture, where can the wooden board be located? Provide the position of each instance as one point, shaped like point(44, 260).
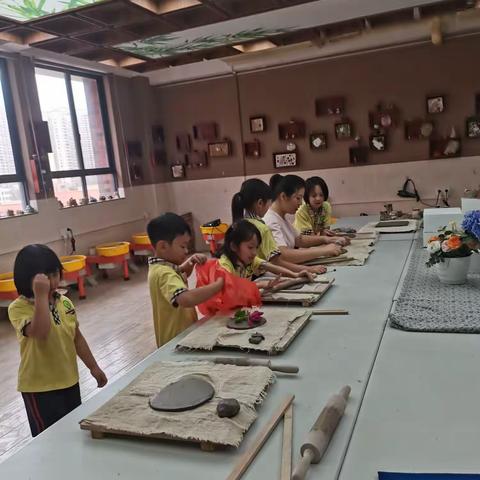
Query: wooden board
point(298, 298)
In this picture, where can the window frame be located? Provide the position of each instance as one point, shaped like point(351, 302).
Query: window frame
point(19, 176)
point(83, 172)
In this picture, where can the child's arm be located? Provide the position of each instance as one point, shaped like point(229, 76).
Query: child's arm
point(187, 266)
point(196, 296)
point(306, 241)
point(39, 327)
point(300, 255)
point(279, 260)
point(286, 272)
point(86, 355)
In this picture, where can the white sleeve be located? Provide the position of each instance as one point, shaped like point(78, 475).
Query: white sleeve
point(277, 232)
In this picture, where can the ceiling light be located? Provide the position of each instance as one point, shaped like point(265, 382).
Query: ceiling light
point(254, 46)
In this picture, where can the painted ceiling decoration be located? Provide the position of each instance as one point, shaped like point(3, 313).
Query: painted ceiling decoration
point(147, 35)
point(25, 10)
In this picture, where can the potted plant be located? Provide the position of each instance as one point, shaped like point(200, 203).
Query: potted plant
point(471, 225)
point(450, 253)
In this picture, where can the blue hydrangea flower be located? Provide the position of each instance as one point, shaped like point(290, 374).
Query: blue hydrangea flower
point(471, 223)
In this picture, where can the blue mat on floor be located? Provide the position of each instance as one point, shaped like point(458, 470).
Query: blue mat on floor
point(427, 476)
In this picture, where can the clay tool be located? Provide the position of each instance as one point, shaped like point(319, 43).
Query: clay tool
point(321, 433)
point(286, 467)
point(254, 362)
point(332, 311)
point(247, 458)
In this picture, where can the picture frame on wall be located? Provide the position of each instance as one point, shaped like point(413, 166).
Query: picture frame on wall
point(318, 141)
point(253, 149)
point(198, 159)
point(344, 130)
point(207, 131)
point(418, 129)
point(285, 159)
point(472, 127)
point(219, 149)
point(291, 130)
point(178, 171)
point(445, 147)
point(258, 124)
point(184, 142)
point(358, 155)
point(435, 104)
point(334, 105)
point(378, 143)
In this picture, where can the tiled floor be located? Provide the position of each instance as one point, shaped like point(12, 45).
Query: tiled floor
point(115, 319)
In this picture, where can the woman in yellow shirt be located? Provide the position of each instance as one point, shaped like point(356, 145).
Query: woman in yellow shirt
point(50, 340)
point(314, 217)
point(252, 202)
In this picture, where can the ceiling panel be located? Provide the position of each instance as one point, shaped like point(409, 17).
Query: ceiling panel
point(107, 37)
point(193, 17)
point(117, 14)
point(66, 25)
point(63, 45)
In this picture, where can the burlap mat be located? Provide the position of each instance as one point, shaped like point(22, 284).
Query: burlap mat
point(214, 332)
point(129, 411)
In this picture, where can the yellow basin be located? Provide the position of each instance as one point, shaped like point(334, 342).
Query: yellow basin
point(73, 263)
point(113, 249)
point(140, 239)
point(7, 284)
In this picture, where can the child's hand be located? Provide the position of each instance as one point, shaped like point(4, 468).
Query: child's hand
point(269, 284)
point(342, 241)
point(333, 250)
point(99, 376)
point(199, 258)
point(41, 285)
point(320, 269)
point(219, 283)
point(305, 273)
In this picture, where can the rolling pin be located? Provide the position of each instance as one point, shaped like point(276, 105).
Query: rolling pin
point(321, 433)
point(247, 362)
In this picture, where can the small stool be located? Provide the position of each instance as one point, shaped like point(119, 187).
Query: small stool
point(141, 245)
point(8, 291)
point(74, 271)
point(214, 236)
point(109, 254)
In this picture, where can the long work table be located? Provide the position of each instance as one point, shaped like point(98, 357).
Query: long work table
point(331, 351)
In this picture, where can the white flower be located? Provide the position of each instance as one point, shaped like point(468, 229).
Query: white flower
point(445, 247)
point(433, 246)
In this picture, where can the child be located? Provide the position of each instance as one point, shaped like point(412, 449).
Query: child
point(50, 340)
point(252, 202)
point(242, 241)
point(288, 192)
point(314, 216)
point(173, 304)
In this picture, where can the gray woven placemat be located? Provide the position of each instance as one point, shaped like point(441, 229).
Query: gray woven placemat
point(426, 305)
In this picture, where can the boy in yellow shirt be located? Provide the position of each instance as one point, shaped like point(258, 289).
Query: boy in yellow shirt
point(50, 340)
point(172, 302)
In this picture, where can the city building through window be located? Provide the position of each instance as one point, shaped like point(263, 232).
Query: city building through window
point(81, 161)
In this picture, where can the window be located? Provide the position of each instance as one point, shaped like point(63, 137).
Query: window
point(81, 161)
point(13, 189)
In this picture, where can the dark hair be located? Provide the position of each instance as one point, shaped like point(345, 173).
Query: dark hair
point(237, 233)
point(310, 185)
point(167, 227)
point(250, 192)
point(288, 184)
point(30, 261)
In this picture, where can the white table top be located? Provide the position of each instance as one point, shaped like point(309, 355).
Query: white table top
point(331, 351)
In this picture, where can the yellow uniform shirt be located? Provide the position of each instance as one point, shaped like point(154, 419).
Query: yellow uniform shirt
point(309, 222)
point(49, 364)
point(256, 267)
point(268, 248)
point(166, 283)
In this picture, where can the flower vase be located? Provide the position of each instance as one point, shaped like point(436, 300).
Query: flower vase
point(453, 271)
point(475, 264)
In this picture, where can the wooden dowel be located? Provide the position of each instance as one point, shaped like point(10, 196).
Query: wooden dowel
point(246, 459)
point(286, 471)
point(333, 311)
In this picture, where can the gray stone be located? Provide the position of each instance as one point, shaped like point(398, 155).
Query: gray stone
point(256, 338)
point(228, 407)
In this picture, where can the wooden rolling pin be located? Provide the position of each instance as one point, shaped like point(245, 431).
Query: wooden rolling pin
point(248, 362)
point(321, 433)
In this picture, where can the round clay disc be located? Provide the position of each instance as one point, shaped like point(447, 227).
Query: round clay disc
point(243, 325)
point(185, 394)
